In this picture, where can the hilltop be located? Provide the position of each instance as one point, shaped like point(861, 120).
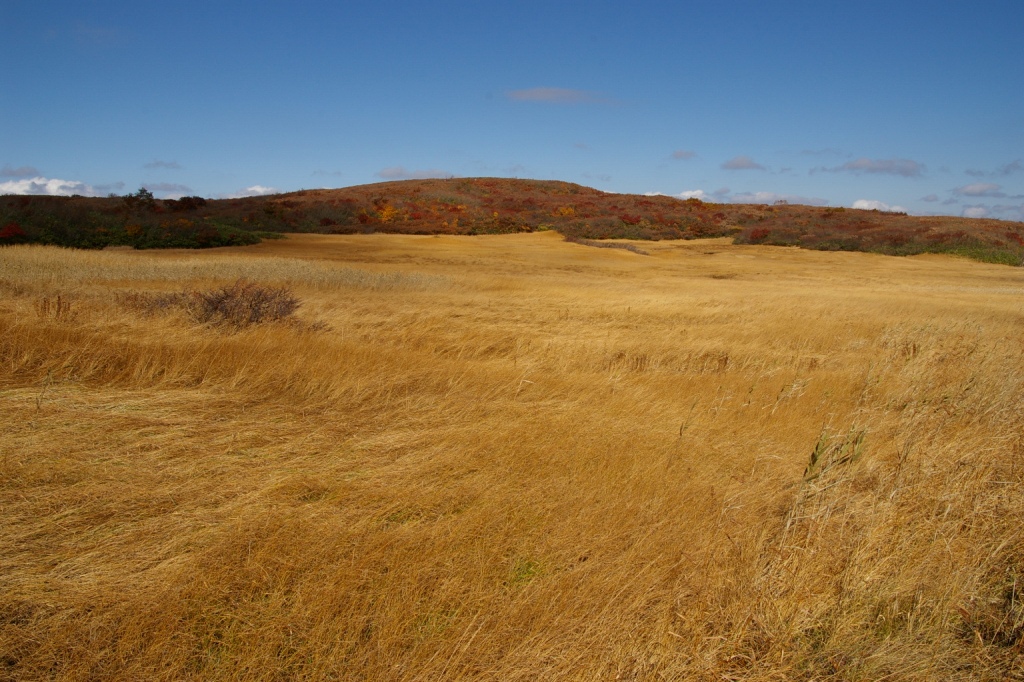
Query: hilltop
point(471, 206)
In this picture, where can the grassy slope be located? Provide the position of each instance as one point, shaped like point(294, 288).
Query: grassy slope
point(499, 206)
point(510, 458)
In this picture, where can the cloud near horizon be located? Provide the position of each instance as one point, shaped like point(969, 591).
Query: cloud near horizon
point(689, 194)
point(556, 96)
point(873, 205)
point(772, 197)
point(253, 191)
point(722, 195)
point(683, 154)
point(400, 173)
point(1013, 212)
point(41, 186)
point(907, 168)
point(742, 163)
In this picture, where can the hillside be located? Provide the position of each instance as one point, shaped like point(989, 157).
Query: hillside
point(491, 206)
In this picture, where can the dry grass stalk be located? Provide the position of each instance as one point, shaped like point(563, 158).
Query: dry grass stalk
point(57, 308)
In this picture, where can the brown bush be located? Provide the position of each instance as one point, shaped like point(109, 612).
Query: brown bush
point(241, 304)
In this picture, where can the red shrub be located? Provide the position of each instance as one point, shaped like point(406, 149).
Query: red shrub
point(759, 234)
point(12, 232)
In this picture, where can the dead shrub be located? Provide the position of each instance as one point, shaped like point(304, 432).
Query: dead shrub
point(241, 304)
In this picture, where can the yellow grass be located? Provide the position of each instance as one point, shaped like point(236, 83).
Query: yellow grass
point(513, 458)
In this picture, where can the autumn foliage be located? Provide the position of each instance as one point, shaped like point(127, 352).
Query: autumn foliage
point(474, 206)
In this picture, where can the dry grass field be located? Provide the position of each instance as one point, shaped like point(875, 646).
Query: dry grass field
point(512, 458)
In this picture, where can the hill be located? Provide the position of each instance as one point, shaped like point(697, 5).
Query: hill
point(491, 206)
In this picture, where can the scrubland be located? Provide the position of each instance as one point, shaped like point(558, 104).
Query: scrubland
point(512, 458)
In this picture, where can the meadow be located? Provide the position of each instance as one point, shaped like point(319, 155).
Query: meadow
point(511, 457)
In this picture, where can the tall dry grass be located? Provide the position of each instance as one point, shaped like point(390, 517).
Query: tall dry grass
point(513, 458)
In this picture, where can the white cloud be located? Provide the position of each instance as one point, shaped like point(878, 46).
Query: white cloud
point(975, 212)
point(400, 173)
point(979, 189)
point(904, 167)
point(555, 96)
point(772, 197)
point(253, 191)
point(48, 186)
point(930, 198)
point(695, 194)
point(683, 154)
point(874, 205)
point(721, 195)
point(742, 163)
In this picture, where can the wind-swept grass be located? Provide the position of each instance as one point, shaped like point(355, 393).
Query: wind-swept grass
point(522, 460)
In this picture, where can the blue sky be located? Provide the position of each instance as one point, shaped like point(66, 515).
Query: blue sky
point(909, 105)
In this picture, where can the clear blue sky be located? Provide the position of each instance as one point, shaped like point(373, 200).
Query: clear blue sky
point(913, 105)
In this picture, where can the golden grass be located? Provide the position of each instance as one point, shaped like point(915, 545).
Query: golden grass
point(513, 458)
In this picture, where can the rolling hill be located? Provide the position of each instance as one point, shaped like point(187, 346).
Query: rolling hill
point(491, 206)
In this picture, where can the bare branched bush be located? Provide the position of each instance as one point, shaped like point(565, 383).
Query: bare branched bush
point(241, 304)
